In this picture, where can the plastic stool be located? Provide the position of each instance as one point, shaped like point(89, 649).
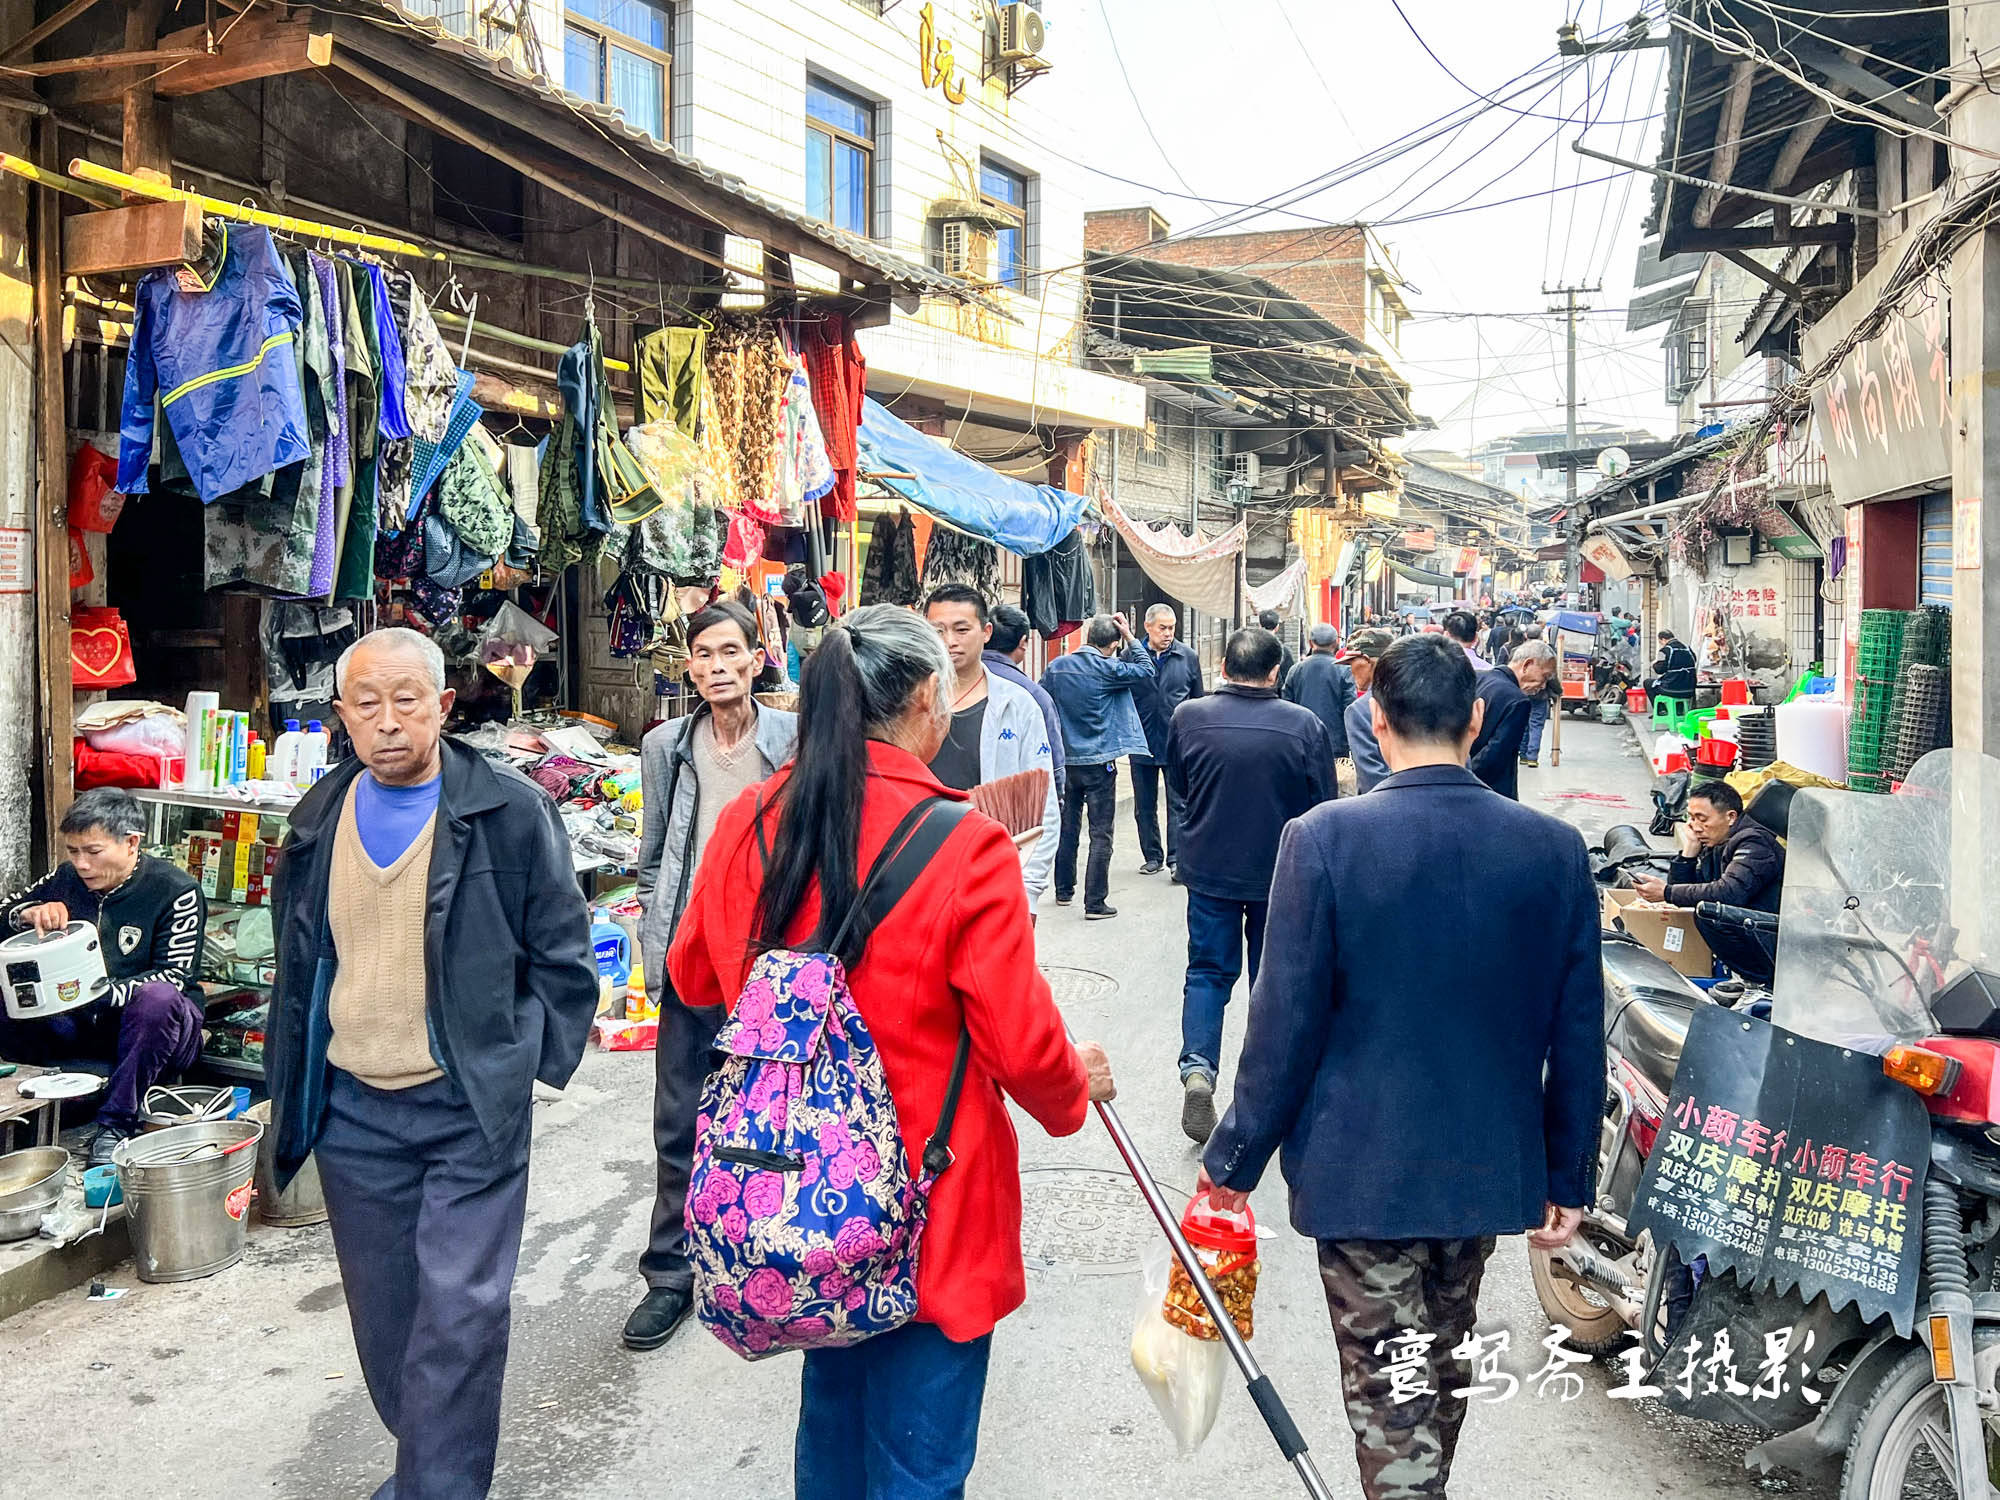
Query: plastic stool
point(1668, 711)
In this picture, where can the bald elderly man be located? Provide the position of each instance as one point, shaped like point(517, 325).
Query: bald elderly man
point(434, 961)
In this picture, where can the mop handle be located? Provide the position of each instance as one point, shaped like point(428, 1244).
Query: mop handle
point(1270, 1405)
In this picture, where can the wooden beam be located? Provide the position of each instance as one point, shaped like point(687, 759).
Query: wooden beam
point(1793, 153)
point(1728, 139)
point(268, 51)
point(100, 61)
point(1847, 74)
point(147, 144)
point(51, 541)
point(131, 239)
point(39, 34)
point(1764, 273)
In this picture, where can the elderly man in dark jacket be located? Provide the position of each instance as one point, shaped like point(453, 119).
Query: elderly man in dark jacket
point(1176, 678)
point(434, 961)
point(1247, 763)
point(1508, 694)
point(1424, 1098)
point(1730, 858)
point(1320, 684)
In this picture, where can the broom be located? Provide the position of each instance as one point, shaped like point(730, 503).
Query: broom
point(1015, 802)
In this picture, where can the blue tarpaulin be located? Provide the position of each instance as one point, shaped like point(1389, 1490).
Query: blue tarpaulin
point(1023, 518)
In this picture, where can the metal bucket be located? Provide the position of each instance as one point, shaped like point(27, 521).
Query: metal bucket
point(298, 1205)
point(31, 1183)
point(187, 1196)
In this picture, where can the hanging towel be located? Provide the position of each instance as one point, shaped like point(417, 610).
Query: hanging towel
point(428, 459)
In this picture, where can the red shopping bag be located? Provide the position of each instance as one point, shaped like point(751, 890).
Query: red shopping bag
point(100, 650)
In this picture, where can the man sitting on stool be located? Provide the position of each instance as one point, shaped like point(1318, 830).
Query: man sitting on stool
point(150, 917)
point(1729, 858)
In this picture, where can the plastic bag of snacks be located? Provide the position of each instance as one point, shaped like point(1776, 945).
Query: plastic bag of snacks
point(1226, 1245)
point(1185, 1376)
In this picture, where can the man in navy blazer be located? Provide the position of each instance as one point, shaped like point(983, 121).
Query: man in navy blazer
point(1424, 1097)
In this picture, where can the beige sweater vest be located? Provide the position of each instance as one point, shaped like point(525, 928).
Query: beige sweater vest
point(377, 1004)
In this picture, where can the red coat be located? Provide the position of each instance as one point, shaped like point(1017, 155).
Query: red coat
point(957, 949)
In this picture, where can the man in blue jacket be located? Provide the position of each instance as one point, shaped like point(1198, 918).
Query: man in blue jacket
point(1176, 679)
point(1092, 689)
point(1246, 763)
point(1425, 1097)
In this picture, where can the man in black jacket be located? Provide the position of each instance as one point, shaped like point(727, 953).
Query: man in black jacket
point(150, 918)
point(1321, 685)
point(1176, 678)
point(1268, 620)
point(1248, 763)
point(434, 961)
point(1729, 858)
point(1509, 693)
point(1424, 1095)
point(1673, 671)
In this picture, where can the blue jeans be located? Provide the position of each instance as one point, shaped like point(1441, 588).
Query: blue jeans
point(1531, 738)
point(1219, 930)
point(895, 1418)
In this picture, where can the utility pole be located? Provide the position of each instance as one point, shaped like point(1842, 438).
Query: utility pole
point(1572, 520)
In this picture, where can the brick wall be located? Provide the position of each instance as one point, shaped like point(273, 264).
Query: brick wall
point(1122, 228)
point(1323, 268)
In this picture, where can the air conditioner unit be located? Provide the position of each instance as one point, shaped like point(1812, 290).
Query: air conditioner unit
point(1022, 33)
point(1243, 469)
point(965, 249)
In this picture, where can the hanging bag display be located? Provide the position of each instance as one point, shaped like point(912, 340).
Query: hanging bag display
point(100, 650)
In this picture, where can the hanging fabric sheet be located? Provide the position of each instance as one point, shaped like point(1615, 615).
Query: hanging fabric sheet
point(1199, 570)
point(1023, 518)
point(1286, 593)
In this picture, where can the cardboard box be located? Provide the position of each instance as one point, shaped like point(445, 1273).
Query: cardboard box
point(226, 871)
point(1669, 931)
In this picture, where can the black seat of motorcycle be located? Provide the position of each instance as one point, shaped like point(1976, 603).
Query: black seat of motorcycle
point(1624, 841)
point(1772, 806)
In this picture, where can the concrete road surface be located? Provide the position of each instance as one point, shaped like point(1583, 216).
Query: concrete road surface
point(246, 1384)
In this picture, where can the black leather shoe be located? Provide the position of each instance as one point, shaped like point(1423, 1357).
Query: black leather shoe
point(103, 1141)
point(654, 1320)
point(1100, 914)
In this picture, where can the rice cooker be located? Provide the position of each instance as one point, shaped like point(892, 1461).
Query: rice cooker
point(45, 976)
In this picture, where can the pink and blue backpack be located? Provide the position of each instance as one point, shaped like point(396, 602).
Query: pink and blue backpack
point(803, 1218)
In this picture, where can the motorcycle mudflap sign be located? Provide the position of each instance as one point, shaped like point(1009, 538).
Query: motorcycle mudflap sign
point(1792, 1171)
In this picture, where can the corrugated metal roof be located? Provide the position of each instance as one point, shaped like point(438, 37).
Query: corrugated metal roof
point(893, 269)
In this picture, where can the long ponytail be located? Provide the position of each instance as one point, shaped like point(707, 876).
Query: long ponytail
point(857, 683)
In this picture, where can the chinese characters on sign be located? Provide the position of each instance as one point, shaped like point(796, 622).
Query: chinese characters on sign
point(1792, 1162)
point(1745, 604)
point(1886, 411)
point(934, 57)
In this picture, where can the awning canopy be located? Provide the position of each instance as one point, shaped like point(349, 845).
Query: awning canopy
point(1198, 570)
point(1011, 513)
point(1423, 576)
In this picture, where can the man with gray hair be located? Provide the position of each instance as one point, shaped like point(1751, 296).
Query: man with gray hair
point(434, 961)
point(1176, 679)
point(1320, 683)
point(1507, 693)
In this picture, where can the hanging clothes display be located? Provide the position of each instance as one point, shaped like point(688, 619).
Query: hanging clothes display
point(354, 576)
point(326, 411)
point(839, 380)
point(683, 538)
point(672, 366)
point(471, 502)
point(211, 345)
point(891, 574)
point(1057, 589)
point(748, 375)
point(954, 557)
point(801, 471)
point(572, 518)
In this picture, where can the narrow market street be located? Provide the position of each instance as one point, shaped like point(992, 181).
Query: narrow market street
point(247, 1384)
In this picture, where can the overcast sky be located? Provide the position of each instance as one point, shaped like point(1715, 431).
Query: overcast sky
point(1244, 101)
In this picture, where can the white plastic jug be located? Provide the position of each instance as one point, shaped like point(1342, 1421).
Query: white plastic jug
point(283, 764)
point(313, 747)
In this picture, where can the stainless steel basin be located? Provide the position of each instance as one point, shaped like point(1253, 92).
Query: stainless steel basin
point(31, 1183)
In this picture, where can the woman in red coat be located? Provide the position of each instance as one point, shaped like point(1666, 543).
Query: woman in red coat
point(897, 1417)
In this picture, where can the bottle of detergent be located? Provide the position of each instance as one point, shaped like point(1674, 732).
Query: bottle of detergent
point(313, 746)
point(283, 764)
point(613, 946)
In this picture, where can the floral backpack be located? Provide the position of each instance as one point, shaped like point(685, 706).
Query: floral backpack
point(803, 1217)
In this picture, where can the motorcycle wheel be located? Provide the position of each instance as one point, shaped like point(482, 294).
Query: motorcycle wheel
point(1902, 1445)
point(1594, 1325)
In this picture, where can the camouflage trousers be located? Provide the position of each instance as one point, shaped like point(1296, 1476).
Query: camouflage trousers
point(1385, 1296)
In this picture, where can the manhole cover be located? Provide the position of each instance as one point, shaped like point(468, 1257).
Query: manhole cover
point(1082, 1219)
point(1078, 986)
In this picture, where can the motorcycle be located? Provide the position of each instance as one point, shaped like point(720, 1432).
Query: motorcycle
point(1609, 674)
point(1891, 950)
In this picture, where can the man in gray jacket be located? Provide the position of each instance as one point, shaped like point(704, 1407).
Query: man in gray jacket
point(690, 769)
point(1364, 649)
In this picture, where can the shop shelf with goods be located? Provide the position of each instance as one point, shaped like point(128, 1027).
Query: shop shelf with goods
point(230, 845)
